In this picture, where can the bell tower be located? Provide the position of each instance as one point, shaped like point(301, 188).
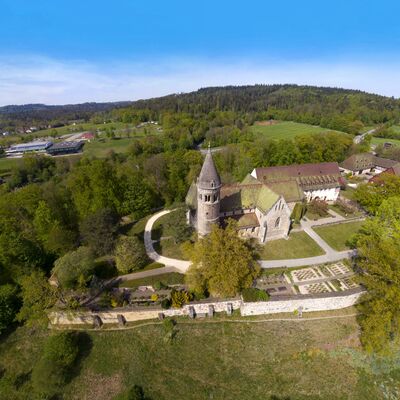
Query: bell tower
point(208, 195)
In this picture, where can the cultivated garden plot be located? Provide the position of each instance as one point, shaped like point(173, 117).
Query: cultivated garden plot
point(312, 280)
point(315, 288)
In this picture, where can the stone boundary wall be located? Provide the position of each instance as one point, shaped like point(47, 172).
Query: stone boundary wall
point(279, 305)
point(110, 317)
point(305, 304)
point(346, 221)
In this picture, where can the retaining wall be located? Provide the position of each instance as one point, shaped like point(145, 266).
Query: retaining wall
point(307, 303)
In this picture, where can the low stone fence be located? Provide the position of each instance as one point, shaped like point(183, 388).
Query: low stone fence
point(143, 313)
point(335, 301)
point(306, 303)
point(347, 220)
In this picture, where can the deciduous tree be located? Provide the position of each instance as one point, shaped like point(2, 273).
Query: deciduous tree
point(379, 259)
point(222, 263)
point(129, 254)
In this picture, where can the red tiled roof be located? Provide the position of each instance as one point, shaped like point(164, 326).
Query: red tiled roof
point(300, 170)
point(308, 176)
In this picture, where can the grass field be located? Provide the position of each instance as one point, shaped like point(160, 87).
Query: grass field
point(214, 359)
point(96, 148)
point(337, 235)
point(168, 246)
point(120, 129)
point(377, 140)
point(299, 245)
point(101, 148)
point(171, 278)
point(286, 130)
point(7, 163)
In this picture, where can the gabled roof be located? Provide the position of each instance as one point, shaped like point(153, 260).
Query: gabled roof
point(247, 196)
point(284, 172)
point(358, 162)
point(289, 189)
point(248, 220)
point(307, 176)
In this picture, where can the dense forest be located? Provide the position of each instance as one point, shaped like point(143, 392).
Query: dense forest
point(333, 108)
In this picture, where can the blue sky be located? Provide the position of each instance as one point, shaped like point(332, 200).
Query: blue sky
point(73, 51)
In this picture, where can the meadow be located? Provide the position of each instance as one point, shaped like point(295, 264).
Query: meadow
point(286, 130)
point(220, 358)
point(377, 141)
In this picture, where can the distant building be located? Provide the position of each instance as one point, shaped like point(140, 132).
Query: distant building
point(87, 136)
point(395, 170)
point(366, 163)
point(65, 148)
point(38, 146)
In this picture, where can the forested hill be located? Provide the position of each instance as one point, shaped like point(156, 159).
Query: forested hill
point(333, 108)
point(32, 114)
point(292, 101)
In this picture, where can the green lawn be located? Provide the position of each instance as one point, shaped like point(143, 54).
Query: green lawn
point(168, 245)
point(100, 148)
point(337, 235)
point(377, 140)
point(7, 163)
point(169, 248)
point(299, 245)
point(170, 278)
point(286, 130)
point(214, 359)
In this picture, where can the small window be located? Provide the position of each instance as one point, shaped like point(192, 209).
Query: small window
point(277, 222)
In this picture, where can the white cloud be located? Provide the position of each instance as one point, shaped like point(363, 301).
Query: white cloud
point(42, 80)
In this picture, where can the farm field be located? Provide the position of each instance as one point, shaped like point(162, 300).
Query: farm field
point(286, 130)
point(217, 359)
point(338, 235)
point(299, 245)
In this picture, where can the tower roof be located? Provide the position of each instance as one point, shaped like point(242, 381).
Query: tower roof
point(209, 177)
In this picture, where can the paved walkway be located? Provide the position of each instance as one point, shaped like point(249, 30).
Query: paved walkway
point(179, 265)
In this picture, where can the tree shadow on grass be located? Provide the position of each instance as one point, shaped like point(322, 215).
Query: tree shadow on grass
point(85, 345)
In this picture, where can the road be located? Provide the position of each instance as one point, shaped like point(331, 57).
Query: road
point(359, 138)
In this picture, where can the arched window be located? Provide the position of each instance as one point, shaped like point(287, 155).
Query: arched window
point(277, 222)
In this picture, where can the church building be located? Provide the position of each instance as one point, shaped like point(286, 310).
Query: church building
point(259, 211)
point(262, 204)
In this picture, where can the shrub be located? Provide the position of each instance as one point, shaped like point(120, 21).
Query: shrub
point(254, 294)
point(179, 298)
point(165, 304)
point(298, 212)
point(8, 305)
point(159, 285)
point(154, 297)
point(318, 207)
point(345, 206)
